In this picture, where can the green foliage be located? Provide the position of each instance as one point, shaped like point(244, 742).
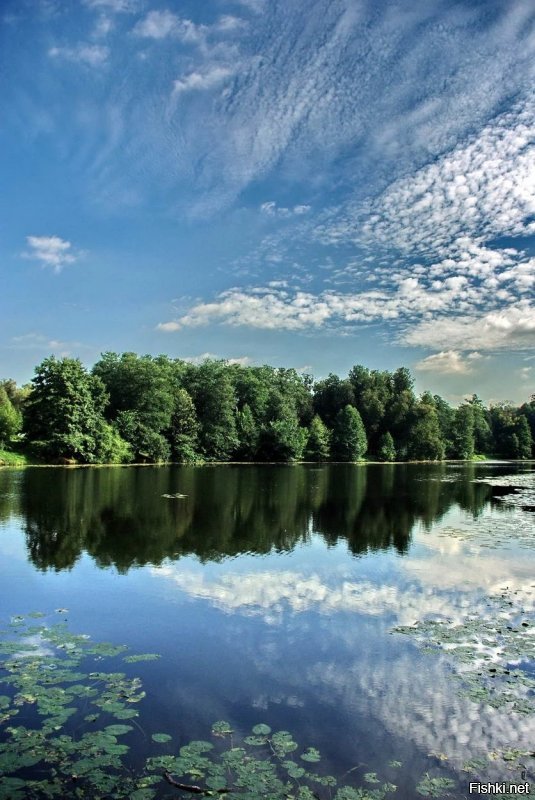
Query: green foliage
point(44, 721)
point(183, 431)
point(111, 448)
point(463, 435)
point(434, 787)
point(425, 441)
point(319, 440)
point(283, 439)
point(141, 384)
point(386, 450)
point(331, 396)
point(154, 409)
point(51, 747)
point(210, 386)
point(511, 432)
point(523, 434)
point(65, 410)
point(146, 443)
point(482, 429)
point(263, 765)
point(248, 434)
point(17, 394)
point(10, 418)
point(349, 437)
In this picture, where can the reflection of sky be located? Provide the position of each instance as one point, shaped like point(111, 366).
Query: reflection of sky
point(348, 606)
point(443, 577)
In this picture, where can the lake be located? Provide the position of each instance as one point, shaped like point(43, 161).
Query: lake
point(272, 594)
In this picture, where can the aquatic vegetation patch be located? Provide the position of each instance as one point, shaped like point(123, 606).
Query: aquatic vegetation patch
point(62, 725)
point(493, 659)
point(512, 490)
point(67, 728)
point(265, 764)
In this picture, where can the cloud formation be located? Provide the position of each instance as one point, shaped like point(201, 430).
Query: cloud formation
point(51, 251)
point(448, 362)
point(93, 55)
point(164, 24)
point(512, 328)
point(271, 209)
point(113, 6)
point(202, 81)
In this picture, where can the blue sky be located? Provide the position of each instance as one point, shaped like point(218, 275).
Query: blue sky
point(309, 184)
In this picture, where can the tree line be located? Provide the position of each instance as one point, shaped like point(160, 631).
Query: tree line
point(132, 408)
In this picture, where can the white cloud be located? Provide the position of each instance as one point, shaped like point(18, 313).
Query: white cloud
point(448, 362)
point(40, 343)
point(242, 361)
point(483, 187)
point(103, 26)
point(229, 23)
point(271, 209)
point(163, 24)
point(510, 328)
point(202, 81)
point(51, 251)
point(114, 6)
point(94, 55)
point(252, 5)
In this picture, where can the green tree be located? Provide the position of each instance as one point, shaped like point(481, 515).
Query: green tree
point(16, 394)
point(210, 386)
point(184, 428)
point(283, 439)
point(386, 450)
point(446, 416)
point(528, 410)
point(318, 444)
point(523, 434)
point(146, 443)
point(425, 441)
point(64, 411)
point(463, 439)
point(400, 411)
point(248, 434)
point(482, 430)
point(10, 419)
point(349, 441)
point(511, 431)
point(139, 383)
point(111, 448)
point(331, 395)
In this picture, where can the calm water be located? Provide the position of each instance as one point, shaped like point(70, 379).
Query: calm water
point(271, 593)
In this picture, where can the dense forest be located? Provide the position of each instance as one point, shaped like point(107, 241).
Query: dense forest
point(132, 408)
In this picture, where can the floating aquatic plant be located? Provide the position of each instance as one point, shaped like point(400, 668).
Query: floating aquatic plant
point(67, 725)
point(493, 657)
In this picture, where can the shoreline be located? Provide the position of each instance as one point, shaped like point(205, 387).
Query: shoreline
point(363, 463)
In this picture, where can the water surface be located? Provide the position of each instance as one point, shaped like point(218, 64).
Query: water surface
point(272, 592)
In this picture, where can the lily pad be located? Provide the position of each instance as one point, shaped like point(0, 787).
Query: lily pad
point(161, 738)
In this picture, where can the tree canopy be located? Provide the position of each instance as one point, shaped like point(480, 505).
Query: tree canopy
point(155, 408)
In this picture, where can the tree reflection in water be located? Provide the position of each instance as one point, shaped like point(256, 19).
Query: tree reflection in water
point(121, 517)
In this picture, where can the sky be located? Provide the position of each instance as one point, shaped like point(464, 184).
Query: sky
point(303, 183)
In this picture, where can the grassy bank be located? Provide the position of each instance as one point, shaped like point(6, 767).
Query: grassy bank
point(9, 458)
